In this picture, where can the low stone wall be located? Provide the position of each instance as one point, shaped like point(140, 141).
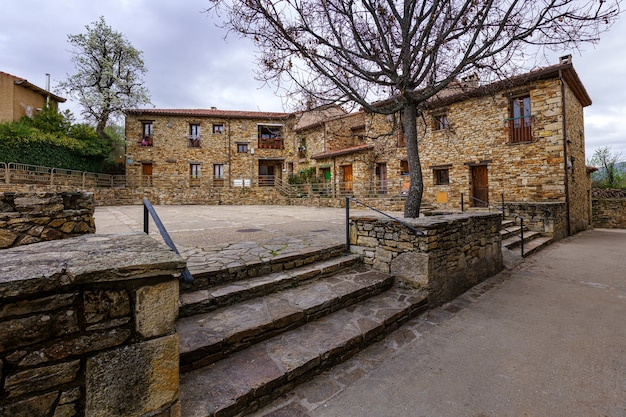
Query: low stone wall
point(87, 328)
point(457, 252)
point(609, 213)
point(548, 218)
point(32, 217)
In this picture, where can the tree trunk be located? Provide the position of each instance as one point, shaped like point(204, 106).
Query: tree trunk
point(416, 188)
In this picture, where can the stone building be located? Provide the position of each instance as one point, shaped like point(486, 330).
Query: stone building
point(19, 98)
point(520, 140)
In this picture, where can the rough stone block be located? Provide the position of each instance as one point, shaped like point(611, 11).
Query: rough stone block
point(39, 379)
point(38, 406)
point(133, 380)
point(156, 309)
point(37, 328)
point(104, 305)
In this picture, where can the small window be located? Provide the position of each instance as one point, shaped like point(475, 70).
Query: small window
point(218, 129)
point(442, 176)
point(242, 148)
point(194, 135)
point(194, 171)
point(440, 121)
point(146, 134)
point(218, 171)
point(404, 167)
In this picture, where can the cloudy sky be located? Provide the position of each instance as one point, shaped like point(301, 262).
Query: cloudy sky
point(191, 65)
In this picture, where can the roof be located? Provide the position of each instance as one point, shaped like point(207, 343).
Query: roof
point(24, 83)
point(232, 114)
point(565, 70)
point(315, 117)
point(344, 151)
point(459, 91)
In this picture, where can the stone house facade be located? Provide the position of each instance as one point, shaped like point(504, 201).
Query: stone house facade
point(19, 98)
point(517, 140)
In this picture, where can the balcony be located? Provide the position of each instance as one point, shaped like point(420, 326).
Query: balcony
point(146, 141)
point(520, 129)
point(271, 143)
point(193, 141)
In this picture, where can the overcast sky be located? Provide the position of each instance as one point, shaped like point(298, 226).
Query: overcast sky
point(191, 65)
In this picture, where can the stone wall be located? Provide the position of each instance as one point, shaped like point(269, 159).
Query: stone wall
point(41, 216)
point(609, 213)
point(548, 218)
point(457, 252)
point(87, 328)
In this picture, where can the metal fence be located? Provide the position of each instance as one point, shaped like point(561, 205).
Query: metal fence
point(17, 173)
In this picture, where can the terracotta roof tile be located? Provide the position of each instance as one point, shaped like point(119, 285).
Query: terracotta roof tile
point(344, 151)
point(234, 114)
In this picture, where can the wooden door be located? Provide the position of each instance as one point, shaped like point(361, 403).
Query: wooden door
point(347, 177)
point(381, 176)
point(146, 174)
point(480, 186)
point(266, 174)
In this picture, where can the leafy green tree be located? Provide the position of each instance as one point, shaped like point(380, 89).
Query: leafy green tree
point(393, 56)
point(609, 174)
point(109, 75)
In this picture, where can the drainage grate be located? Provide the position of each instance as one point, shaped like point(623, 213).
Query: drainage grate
point(249, 230)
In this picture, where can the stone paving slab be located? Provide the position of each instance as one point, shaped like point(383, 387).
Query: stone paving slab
point(234, 327)
point(265, 370)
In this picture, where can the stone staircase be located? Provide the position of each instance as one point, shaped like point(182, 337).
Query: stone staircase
point(533, 241)
point(249, 334)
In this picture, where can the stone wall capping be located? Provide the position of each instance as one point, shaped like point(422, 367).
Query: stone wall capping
point(47, 266)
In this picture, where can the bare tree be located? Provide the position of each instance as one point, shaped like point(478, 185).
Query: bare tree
point(392, 56)
point(109, 75)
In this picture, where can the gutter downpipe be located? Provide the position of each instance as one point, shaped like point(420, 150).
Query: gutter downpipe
point(567, 199)
point(230, 169)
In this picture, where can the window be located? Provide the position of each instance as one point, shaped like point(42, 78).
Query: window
point(194, 135)
point(146, 134)
point(404, 167)
point(442, 176)
point(270, 137)
point(242, 147)
point(218, 175)
point(194, 171)
point(218, 129)
point(521, 123)
point(218, 171)
point(440, 121)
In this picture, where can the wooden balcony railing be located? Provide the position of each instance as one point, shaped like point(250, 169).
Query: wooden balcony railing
point(194, 141)
point(274, 143)
point(520, 129)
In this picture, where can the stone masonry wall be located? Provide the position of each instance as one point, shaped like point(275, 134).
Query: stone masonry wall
point(549, 218)
point(609, 213)
point(87, 328)
point(32, 217)
point(457, 252)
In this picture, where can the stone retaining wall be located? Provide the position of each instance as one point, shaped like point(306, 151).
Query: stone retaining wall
point(41, 216)
point(548, 218)
point(87, 328)
point(609, 213)
point(457, 252)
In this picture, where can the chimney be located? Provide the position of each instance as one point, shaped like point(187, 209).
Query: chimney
point(470, 81)
point(565, 59)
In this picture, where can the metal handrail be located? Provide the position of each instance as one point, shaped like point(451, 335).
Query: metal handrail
point(348, 199)
point(148, 209)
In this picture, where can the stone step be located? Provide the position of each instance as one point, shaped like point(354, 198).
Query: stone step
point(205, 300)
point(253, 377)
point(206, 338)
point(515, 241)
point(207, 274)
point(534, 245)
point(510, 231)
point(508, 223)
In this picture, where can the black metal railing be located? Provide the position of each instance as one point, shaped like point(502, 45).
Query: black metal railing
point(148, 210)
point(348, 199)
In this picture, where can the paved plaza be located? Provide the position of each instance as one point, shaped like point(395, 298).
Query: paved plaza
point(546, 338)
